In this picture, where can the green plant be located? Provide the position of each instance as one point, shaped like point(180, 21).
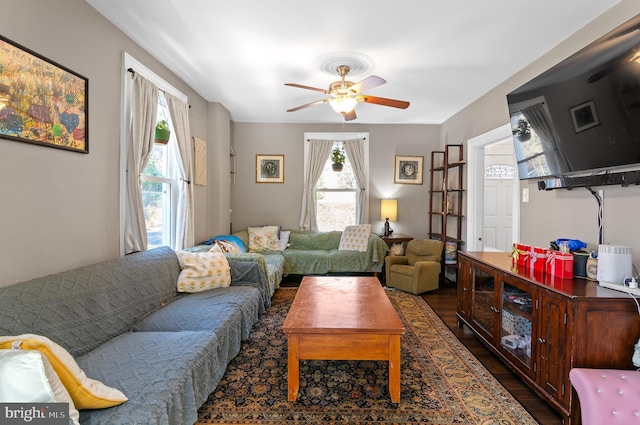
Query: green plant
point(338, 156)
point(162, 125)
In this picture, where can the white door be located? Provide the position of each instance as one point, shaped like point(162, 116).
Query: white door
point(498, 214)
point(497, 204)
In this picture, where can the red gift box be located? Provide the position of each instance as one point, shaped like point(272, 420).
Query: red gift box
point(521, 254)
point(559, 264)
point(538, 258)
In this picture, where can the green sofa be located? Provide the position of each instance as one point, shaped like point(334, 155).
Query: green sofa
point(312, 253)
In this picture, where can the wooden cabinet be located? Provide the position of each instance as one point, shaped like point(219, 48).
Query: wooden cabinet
point(555, 332)
point(542, 326)
point(446, 197)
point(465, 282)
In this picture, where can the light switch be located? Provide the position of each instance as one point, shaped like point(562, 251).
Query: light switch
point(525, 194)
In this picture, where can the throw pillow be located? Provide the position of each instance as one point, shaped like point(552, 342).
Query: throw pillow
point(85, 392)
point(202, 271)
point(263, 238)
point(283, 242)
point(355, 238)
point(27, 377)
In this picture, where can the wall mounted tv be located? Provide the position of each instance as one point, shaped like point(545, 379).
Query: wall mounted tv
point(582, 116)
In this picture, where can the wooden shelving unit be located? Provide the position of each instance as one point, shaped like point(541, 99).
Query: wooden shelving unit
point(446, 197)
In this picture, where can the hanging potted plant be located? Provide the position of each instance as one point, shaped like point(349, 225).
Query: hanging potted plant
point(337, 159)
point(162, 132)
point(522, 130)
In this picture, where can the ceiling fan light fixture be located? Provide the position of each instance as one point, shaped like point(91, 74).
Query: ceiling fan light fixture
point(343, 104)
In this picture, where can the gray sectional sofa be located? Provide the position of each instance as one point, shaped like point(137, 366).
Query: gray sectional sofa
point(127, 326)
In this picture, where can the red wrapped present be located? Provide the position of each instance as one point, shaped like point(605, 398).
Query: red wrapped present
point(538, 258)
point(521, 255)
point(559, 264)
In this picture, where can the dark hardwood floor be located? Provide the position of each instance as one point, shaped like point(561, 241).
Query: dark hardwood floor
point(444, 301)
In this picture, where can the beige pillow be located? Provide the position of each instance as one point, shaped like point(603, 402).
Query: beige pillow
point(202, 271)
point(86, 393)
point(355, 238)
point(263, 238)
point(27, 377)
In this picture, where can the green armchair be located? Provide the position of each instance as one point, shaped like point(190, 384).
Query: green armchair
point(418, 270)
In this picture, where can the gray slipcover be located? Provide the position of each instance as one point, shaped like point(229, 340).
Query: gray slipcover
point(127, 326)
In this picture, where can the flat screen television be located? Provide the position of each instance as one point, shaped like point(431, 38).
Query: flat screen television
point(582, 116)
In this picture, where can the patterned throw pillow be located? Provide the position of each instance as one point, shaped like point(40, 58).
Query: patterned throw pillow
point(355, 238)
point(263, 238)
point(202, 271)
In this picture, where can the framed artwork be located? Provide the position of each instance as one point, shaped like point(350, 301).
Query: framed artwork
point(269, 168)
point(41, 102)
point(584, 116)
point(408, 169)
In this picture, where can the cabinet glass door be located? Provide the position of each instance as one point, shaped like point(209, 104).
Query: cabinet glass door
point(484, 311)
point(516, 322)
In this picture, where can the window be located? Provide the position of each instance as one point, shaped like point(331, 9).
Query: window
point(158, 187)
point(166, 202)
point(335, 195)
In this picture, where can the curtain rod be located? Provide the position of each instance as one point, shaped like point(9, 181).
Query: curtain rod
point(131, 70)
point(364, 138)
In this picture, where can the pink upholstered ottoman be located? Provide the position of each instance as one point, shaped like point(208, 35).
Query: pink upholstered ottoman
point(607, 396)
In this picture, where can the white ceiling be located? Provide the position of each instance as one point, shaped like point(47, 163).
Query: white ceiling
point(440, 55)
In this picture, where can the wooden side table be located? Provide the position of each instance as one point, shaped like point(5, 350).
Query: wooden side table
point(396, 238)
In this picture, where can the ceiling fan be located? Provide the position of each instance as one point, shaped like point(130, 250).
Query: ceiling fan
point(346, 94)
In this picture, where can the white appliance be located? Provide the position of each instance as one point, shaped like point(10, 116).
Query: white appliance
point(614, 265)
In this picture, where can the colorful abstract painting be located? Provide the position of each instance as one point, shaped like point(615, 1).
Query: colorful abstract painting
point(41, 102)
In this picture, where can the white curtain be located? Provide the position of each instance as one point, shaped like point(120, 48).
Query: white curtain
point(179, 111)
point(355, 152)
point(144, 107)
point(318, 154)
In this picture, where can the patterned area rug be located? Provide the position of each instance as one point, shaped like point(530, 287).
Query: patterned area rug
point(441, 381)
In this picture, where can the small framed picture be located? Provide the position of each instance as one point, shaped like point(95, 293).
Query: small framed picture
point(408, 169)
point(269, 168)
point(584, 116)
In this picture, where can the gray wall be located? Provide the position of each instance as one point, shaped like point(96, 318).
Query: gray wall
point(255, 204)
point(60, 208)
point(559, 213)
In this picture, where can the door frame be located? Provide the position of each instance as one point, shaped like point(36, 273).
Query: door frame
point(475, 188)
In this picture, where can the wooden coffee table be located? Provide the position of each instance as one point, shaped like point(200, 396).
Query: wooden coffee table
point(343, 318)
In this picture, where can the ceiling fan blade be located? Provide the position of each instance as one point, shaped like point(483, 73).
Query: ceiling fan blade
point(367, 84)
point(317, 102)
point(383, 101)
point(350, 116)
point(300, 86)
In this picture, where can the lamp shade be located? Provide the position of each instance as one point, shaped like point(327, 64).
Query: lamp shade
point(389, 209)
